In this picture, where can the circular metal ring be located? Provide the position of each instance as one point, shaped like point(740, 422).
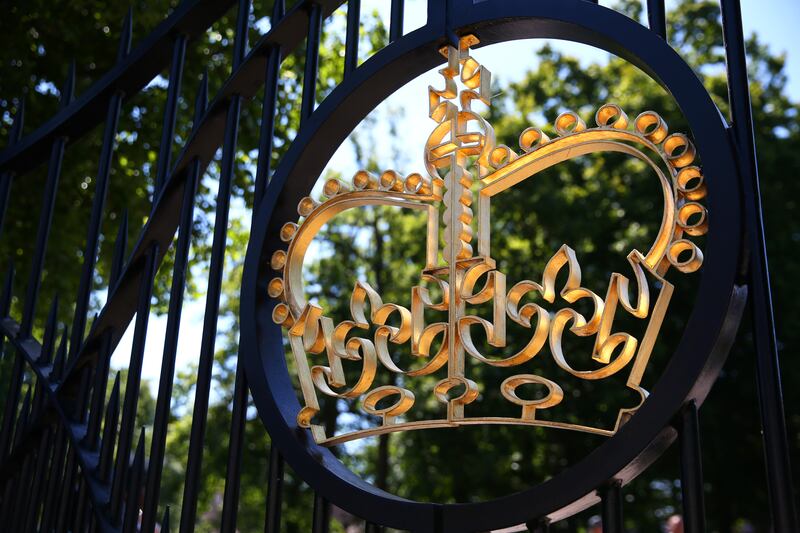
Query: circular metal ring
point(694, 364)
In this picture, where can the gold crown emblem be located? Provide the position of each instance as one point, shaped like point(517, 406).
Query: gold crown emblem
point(462, 143)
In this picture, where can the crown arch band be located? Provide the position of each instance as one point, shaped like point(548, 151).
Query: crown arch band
point(583, 143)
point(695, 362)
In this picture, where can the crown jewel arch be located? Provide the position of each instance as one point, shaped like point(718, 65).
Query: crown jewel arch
point(465, 171)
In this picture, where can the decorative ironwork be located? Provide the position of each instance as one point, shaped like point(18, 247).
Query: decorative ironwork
point(460, 149)
point(66, 445)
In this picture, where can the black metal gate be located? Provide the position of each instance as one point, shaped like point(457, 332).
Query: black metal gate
point(65, 447)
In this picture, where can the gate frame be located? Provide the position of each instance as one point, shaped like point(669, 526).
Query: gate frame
point(688, 378)
point(62, 415)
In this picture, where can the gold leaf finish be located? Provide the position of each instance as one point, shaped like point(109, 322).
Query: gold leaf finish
point(464, 171)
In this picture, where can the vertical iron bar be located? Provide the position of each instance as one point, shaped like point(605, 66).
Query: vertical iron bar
point(200, 101)
point(46, 215)
point(120, 248)
point(274, 491)
point(240, 390)
point(134, 379)
point(78, 500)
point(36, 458)
point(109, 433)
point(125, 36)
point(5, 192)
point(36, 493)
point(22, 421)
point(8, 290)
point(161, 420)
point(240, 33)
point(5, 307)
point(98, 392)
point(770, 394)
point(230, 501)
point(99, 200)
point(351, 39)
point(82, 504)
point(43, 232)
point(694, 514)
point(7, 177)
point(95, 222)
point(54, 480)
point(12, 403)
point(657, 17)
point(69, 493)
point(275, 474)
point(136, 474)
point(67, 488)
point(396, 20)
point(57, 370)
point(20, 486)
point(14, 521)
point(165, 521)
point(321, 520)
point(208, 340)
point(206, 358)
point(50, 333)
point(233, 470)
point(170, 112)
point(278, 11)
point(48, 447)
point(268, 107)
point(311, 68)
point(8, 497)
point(611, 506)
point(15, 381)
point(38, 398)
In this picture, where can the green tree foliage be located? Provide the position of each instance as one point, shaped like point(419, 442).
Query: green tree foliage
point(602, 205)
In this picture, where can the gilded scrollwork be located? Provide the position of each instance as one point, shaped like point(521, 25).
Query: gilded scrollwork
point(465, 169)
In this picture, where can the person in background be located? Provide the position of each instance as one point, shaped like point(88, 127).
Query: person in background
point(674, 524)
